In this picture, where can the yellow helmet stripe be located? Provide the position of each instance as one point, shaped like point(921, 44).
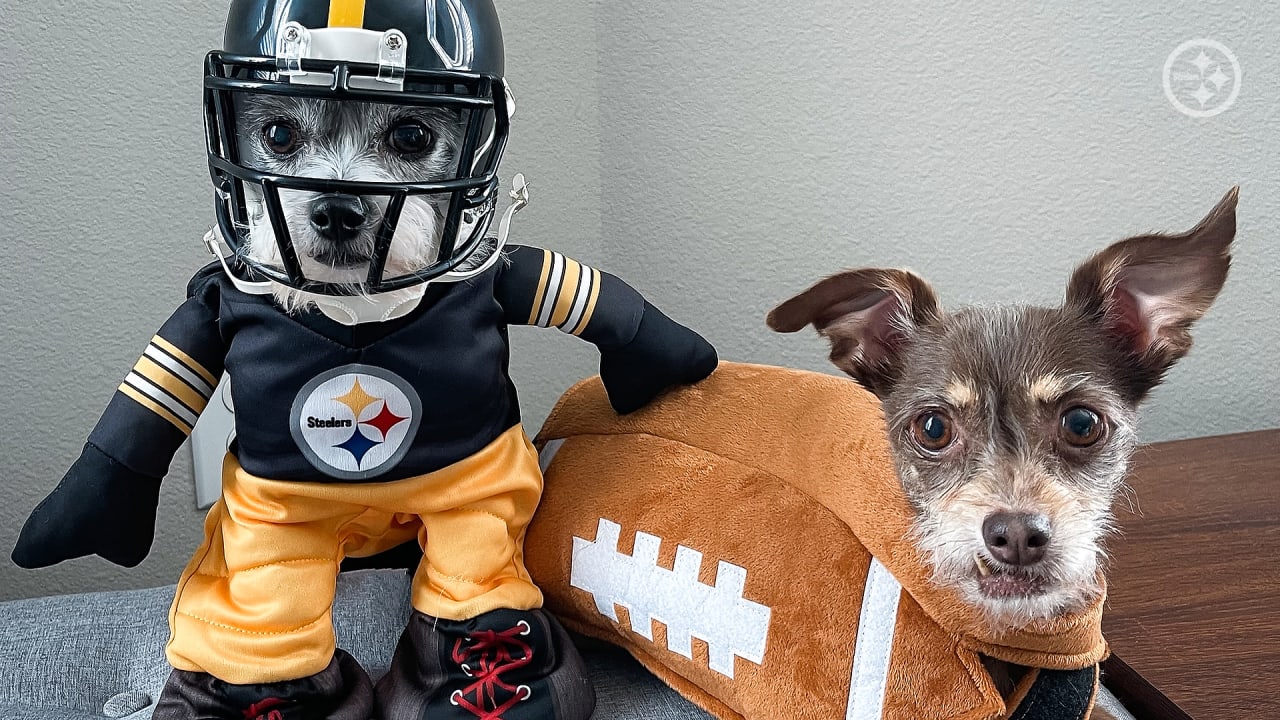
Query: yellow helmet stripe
point(346, 13)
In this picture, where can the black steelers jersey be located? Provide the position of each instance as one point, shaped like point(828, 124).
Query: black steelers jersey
point(320, 401)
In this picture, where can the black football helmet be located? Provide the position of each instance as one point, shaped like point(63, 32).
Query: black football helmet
point(430, 53)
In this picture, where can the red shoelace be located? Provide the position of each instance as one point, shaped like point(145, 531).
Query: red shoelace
point(485, 656)
point(264, 710)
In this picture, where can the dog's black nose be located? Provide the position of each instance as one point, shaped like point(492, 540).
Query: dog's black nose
point(338, 218)
point(1016, 538)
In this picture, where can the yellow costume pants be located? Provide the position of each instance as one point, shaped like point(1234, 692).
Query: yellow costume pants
point(254, 604)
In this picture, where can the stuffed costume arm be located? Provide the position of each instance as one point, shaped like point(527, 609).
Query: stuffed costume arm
point(106, 503)
point(642, 351)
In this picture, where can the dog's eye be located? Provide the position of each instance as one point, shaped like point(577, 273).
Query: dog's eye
point(281, 138)
point(1081, 427)
point(409, 138)
point(932, 431)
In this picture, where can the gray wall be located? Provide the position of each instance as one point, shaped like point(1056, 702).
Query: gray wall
point(721, 155)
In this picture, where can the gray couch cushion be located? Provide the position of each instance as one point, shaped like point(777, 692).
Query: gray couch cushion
point(66, 656)
point(71, 656)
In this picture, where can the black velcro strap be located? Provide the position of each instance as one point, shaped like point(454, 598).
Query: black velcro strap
point(1059, 695)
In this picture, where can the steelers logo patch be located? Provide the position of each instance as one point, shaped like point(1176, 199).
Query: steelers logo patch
point(355, 422)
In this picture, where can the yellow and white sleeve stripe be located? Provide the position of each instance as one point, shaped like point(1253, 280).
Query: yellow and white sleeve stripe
point(168, 382)
point(567, 294)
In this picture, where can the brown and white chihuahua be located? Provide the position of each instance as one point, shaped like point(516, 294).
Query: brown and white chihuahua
point(1011, 427)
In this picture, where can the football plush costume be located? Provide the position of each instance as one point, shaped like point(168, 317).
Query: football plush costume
point(789, 558)
point(355, 436)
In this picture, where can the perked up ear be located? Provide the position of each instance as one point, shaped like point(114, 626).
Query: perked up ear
point(1147, 291)
point(869, 315)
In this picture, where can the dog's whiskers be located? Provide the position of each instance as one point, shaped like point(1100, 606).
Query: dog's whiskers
point(338, 148)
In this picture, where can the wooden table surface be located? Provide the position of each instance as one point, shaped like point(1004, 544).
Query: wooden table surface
point(1194, 606)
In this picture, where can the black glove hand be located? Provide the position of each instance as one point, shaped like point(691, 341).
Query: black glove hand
point(99, 507)
point(663, 353)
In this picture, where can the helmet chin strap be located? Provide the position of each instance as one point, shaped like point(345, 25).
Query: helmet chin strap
point(360, 309)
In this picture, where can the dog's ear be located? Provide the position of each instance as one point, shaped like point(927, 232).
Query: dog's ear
point(1147, 291)
point(868, 315)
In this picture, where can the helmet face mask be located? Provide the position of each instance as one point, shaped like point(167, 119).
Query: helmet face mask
point(340, 167)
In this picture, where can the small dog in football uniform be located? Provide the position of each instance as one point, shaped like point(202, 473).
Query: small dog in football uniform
point(334, 234)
